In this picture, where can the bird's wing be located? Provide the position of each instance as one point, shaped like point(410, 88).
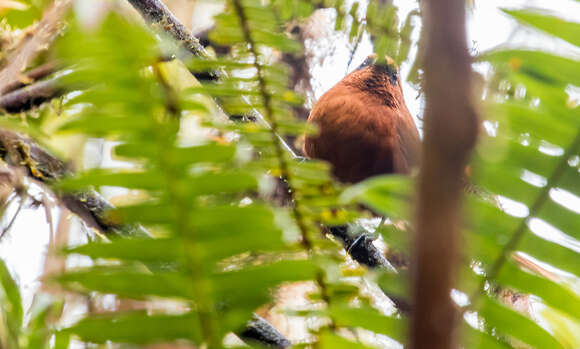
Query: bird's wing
point(357, 135)
point(408, 153)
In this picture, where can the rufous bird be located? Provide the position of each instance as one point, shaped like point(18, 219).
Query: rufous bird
point(365, 128)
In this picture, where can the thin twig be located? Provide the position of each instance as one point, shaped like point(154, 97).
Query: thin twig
point(355, 47)
point(10, 198)
point(23, 197)
point(48, 206)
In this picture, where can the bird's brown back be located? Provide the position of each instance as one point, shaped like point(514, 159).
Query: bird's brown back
point(365, 126)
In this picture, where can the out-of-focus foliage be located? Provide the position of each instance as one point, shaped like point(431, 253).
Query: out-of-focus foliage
point(218, 249)
point(22, 13)
point(37, 331)
point(391, 36)
point(218, 246)
point(528, 155)
point(202, 185)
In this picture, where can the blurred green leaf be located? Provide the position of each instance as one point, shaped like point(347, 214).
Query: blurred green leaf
point(11, 306)
point(39, 331)
point(565, 329)
point(568, 31)
point(386, 194)
point(474, 339)
point(369, 319)
point(536, 64)
point(207, 153)
point(512, 323)
point(553, 294)
point(22, 13)
point(145, 250)
point(550, 252)
point(137, 328)
point(129, 283)
point(329, 340)
point(128, 179)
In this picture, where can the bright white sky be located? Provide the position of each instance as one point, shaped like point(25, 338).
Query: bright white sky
point(22, 248)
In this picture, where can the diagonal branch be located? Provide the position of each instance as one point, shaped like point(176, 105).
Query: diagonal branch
point(41, 165)
point(158, 15)
point(45, 167)
point(263, 333)
point(32, 95)
point(32, 75)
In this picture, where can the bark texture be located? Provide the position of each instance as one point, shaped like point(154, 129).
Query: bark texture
point(32, 95)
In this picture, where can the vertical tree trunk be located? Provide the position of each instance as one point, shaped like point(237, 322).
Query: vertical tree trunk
point(450, 131)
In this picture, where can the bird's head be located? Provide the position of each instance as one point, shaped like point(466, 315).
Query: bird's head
point(386, 67)
point(378, 77)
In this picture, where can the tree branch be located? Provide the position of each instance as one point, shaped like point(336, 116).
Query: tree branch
point(450, 134)
point(24, 97)
point(32, 95)
point(45, 167)
point(20, 151)
point(362, 249)
point(158, 15)
point(262, 332)
point(30, 76)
